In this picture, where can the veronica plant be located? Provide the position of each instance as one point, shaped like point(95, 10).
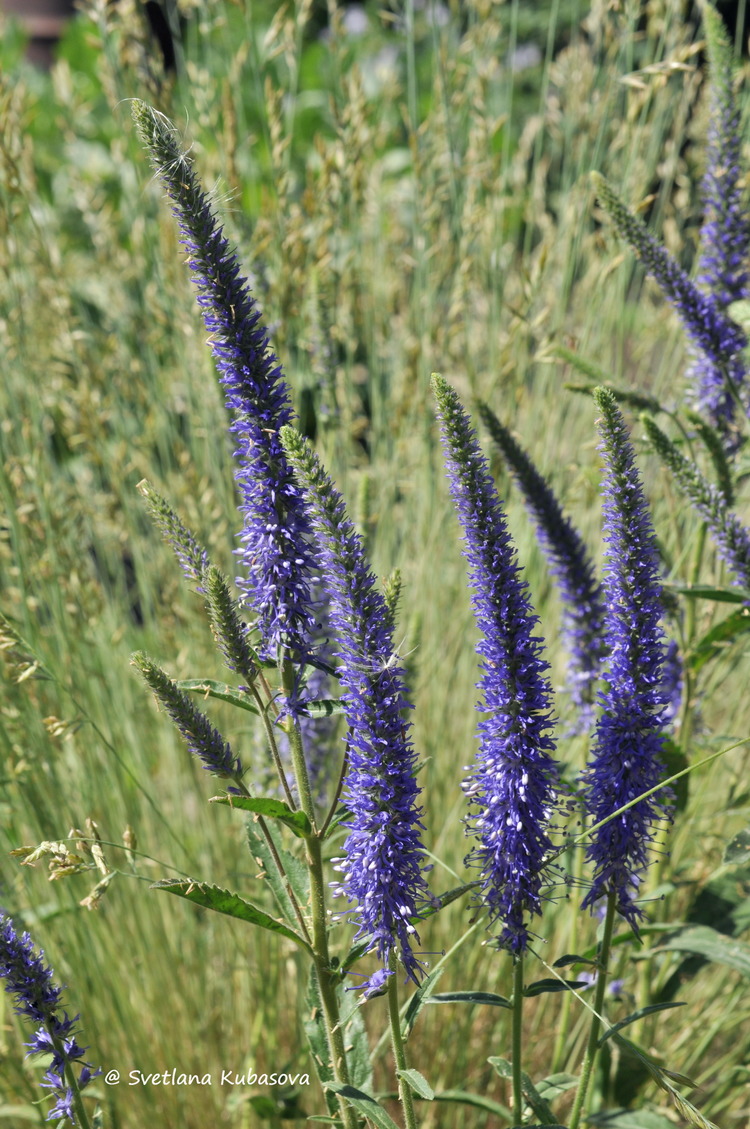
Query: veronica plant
point(276, 552)
point(570, 564)
point(718, 340)
point(37, 997)
point(512, 788)
point(623, 776)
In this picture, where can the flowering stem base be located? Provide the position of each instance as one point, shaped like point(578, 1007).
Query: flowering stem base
point(596, 1018)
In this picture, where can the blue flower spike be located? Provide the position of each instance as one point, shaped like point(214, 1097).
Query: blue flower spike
point(513, 786)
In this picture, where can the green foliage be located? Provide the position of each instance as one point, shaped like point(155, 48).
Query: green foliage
point(400, 216)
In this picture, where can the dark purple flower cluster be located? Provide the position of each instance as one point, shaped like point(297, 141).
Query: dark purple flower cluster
point(28, 979)
point(626, 757)
point(383, 855)
point(572, 567)
point(276, 551)
point(513, 784)
point(719, 342)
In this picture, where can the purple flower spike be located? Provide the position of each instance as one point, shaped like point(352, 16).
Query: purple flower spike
point(383, 855)
point(513, 784)
point(572, 568)
point(626, 756)
point(725, 234)
point(38, 998)
point(275, 551)
point(718, 341)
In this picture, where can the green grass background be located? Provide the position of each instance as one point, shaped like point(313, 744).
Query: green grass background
point(405, 202)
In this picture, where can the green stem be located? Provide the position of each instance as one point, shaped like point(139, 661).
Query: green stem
point(601, 984)
point(301, 775)
point(517, 1038)
point(399, 1050)
point(326, 979)
point(70, 1077)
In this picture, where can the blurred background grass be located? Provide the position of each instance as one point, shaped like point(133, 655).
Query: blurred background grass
point(408, 189)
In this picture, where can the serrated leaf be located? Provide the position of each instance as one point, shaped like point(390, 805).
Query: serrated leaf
point(295, 877)
point(418, 1083)
point(737, 851)
point(355, 1036)
point(709, 592)
point(635, 1016)
point(715, 641)
point(317, 1037)
point(540, 987)
point(706, 942)
point(364, 1104)
point(221, 690)
point(224, 901)
point(297, 821)
point(470, 998)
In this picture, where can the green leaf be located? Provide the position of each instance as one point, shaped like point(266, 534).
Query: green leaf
point(208, 688)
point(630, 1119)
point(322, 707)
point(443, 900)
point(539, 1105)
point(634, 1017)
point(478, 1101)
point(709, 592)
point(364, 1104)
point(418, 1000)
point(718, 639)
point(573, 958)
point(555, 1084)
point(224, 901)
point(470, 998)
point(739, 312)
point(706, 942)
point(295, 876)
point(355, 1036)
point(297, 821)
point(539, 987)
point(418, 1083)
point(674, 761)
point(737, 851)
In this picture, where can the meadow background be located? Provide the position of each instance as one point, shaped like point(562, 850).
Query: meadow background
point(410, 193)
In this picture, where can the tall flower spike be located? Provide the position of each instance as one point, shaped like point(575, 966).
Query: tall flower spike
point(37, 997)
point(570, 564)
point(383, 863)
point(276, 552)
point(190, 553)
point(732, 538)
point(513, 783)
point(717, 340)
point(626, 756)
point(725, 235)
